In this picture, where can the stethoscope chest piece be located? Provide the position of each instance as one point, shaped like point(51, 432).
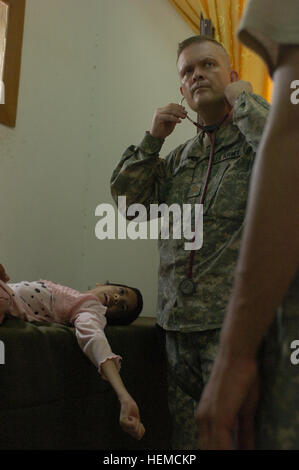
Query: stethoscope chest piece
point(187, 286)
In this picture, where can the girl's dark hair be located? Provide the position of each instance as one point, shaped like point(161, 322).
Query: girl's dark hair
point(127, 317)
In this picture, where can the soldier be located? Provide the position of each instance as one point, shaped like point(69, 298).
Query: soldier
point(213, 167)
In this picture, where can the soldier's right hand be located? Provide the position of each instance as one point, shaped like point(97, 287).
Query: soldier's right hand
point(165, 119)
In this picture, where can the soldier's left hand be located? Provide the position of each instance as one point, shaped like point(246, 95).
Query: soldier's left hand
point(234, 89)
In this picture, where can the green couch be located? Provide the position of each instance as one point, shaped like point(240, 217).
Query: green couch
point(52, 397)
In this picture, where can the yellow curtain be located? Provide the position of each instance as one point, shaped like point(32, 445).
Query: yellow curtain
point(225, 16)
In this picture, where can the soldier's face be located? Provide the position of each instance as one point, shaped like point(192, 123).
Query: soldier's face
point(204, 74)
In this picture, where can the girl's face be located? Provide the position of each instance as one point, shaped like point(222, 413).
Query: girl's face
point(116, 298)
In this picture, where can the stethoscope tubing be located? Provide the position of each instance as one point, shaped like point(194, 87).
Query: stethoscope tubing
point(212, 137)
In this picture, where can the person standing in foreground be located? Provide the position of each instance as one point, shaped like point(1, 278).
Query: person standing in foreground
point(192, 320)
point(264, 402)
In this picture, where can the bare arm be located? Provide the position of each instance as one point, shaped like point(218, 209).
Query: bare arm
point(270, 249)
point(129, 413)
point(89, 327)
point(267, 264)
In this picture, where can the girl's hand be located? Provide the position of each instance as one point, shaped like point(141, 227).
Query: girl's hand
point(3, 276)
point(129, 418)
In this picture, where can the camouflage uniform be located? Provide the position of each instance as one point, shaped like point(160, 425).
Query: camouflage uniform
point(146, 179)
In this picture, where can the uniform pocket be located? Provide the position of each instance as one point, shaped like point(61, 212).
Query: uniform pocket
point(230, 198)
point(195, 191)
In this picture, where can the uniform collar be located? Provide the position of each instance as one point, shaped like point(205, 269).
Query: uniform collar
point(227, 136)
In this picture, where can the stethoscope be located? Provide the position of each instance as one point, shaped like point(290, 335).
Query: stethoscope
point(187, 285)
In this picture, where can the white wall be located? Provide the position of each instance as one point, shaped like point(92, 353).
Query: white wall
point(92, 74)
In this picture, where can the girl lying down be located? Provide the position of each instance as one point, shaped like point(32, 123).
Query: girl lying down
point(88, 312)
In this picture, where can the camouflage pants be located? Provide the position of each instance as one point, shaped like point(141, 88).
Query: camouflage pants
point(277, 421)
point(190, 357)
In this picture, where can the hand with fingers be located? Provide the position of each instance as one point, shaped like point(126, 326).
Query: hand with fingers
point(165, 119)
point(130, 419)
point(129, 413)
point(227, 410)
point(234, 89)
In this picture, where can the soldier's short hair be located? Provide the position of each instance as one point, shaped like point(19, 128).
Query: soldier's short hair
point(199, 39)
